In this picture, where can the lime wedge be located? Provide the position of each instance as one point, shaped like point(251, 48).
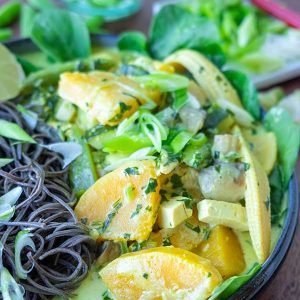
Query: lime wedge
point(11, 75)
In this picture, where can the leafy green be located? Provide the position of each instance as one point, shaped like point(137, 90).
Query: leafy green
point(5, 161)
point(13, 131)
point(174, 28)
point(277, 193)
point(61, 35)
point(133, 41)
point(9, 12)
point(231, 285)
point(246, 90)
point(287, 135)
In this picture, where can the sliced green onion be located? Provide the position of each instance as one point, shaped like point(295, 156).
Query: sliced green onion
point(6, 212)
point(23, 239)
point(165, 82)
point(180, 99)
point(5, 161)
point(180, 141)
point(69, 150)
point(148, 118)
point(142, 154)
point(9, 288)
point(12, 196)
point(13, 131)
point(30, 117)
point(127, 123)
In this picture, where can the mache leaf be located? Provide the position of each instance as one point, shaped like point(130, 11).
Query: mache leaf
point(231, 285)
point(246, 90)
point(175, 28)
point(61, 35)
point(133, 41)
point(287, 135)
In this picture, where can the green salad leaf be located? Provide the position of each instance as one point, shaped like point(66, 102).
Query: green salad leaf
point(5, 161)
point(174, 28)
point(133, 41)
point(231, 285)
point(13, 131)
point(246, 90)
point(287, 134)
point(61, 35)
point(277, 193)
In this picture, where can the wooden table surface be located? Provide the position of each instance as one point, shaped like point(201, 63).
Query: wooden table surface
point(286, 283)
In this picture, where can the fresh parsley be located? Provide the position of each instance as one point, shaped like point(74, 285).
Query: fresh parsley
point(132, 171)
point(137, 211)
point(151, 186)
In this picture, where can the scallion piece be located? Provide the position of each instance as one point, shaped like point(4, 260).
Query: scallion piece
point(12, 196)
point(180, 141)
point(10, 289)
point(23, 239)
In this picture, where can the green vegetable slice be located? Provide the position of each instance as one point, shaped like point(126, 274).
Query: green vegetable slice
point(13, 131)
point(23, 239)
point(9, 12)
point(9, 288)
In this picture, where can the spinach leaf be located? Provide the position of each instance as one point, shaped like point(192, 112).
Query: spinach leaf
point(246, 90)
point(13, 131)
point(175, 28)
point(61, 35)
point(133, 41)
point(277, 193)
point(231, 285)
point(287, 135)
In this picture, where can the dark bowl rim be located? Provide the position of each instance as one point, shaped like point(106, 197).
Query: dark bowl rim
point(279, 253)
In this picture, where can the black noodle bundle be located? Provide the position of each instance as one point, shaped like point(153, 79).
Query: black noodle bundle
point(64, 252)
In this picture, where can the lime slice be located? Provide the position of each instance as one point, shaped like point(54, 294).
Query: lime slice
point(11, 75)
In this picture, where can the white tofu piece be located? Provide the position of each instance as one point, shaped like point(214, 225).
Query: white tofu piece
point(173, 212)
point(228, 214)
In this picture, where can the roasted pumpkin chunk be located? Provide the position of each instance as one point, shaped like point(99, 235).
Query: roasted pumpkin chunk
point(104, 96)
point(223, 249)
point(161, 273)
point(122, 205)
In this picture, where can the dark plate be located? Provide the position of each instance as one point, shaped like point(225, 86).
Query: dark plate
point(271, 266)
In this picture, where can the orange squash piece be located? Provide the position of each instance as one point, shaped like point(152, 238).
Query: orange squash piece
point(223, 249)
point(123, 203)
point(161, 273)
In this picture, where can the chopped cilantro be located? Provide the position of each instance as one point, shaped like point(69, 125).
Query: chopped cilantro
point(123, 108)
point(151, 187)
point(148, 208)
point(127, 236)
point(176, 181)
point(218, 168)
point(267, 203)
point(188, 202)
point(246, 166)
point(137, 246)
point(208, 274)
point(101, 226)
point(137, 210)
point(216, 154)
point(132, 171)
point(146, 275)
point(166, 241)
point(106, 296)
point(163, 196)
point(192, 227)
point(206, 233)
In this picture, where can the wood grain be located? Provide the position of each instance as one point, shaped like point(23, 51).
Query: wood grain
point(286, 283)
